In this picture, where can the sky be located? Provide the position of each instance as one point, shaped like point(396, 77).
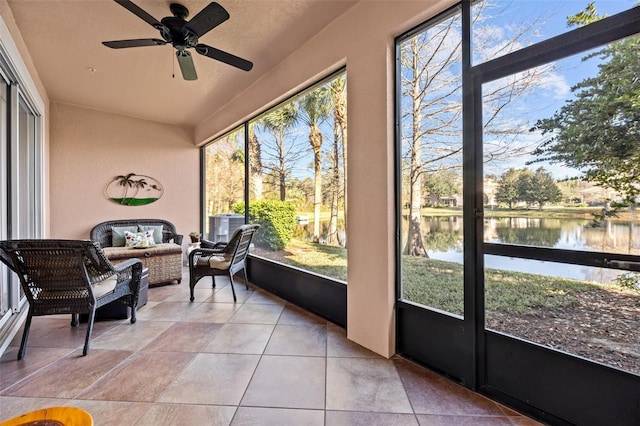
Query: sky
point(554, 12)
point(507, 14)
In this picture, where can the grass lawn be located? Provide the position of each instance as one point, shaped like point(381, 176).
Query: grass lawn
point(322, 259)
point(439, 284)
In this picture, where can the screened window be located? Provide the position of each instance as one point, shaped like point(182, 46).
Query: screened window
point(294, 156)
point(224, 172)
point(551, 173)
point(5, 302)
point(21, 147)
point(431, 165)
point(27, 172)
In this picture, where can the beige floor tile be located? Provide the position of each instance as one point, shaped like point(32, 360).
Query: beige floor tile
point(287, 382)
point(12, 371)
point(257, 314)
point(263, 297)
point(131, 336)
point(339, 346)
point(255, 416)
point(303, 340)
point(223, 294)
point(356, 384)
point(219, 379)
point(187, 414)
point(161, 293)
point(56, 332)
point(359, 418)
point(167, 311)
point(454, 420)
point(212, 312)
point(258, 361)
point(149, 305)
point(69, 376)
point(240, 339)
point(112, 413)
point(178, 293)
point(184, 337)
point(11, 407)
point(293, 315)
point(143, 377)
point(433, 394)
point(203, 293)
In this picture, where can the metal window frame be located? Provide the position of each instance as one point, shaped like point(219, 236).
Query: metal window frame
point(495, 370)
point(20, 88)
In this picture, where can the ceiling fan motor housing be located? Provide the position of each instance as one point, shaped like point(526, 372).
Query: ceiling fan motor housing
point(179, 11)
point(174, 30)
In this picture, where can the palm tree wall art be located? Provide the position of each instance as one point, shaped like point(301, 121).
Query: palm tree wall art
point(133, 190)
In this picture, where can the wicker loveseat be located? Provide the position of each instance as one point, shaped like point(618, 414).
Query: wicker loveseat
point(164, 259)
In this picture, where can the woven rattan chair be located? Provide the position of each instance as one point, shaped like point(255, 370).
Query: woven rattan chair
point(213, 259)
point(69, 277)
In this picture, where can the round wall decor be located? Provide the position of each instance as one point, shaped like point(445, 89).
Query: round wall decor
point(133, 190)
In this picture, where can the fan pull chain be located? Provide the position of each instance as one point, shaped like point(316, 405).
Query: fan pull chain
point(173, 67)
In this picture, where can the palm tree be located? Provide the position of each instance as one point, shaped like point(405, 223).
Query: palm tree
point(137, 184)
point(316, 106)
point(126, 182)
point(278, 122)
point(255, 164)
point(339, 103)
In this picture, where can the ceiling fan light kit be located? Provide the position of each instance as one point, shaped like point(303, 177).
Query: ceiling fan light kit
point(183, 35)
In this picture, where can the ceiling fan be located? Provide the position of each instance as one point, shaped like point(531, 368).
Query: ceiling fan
point(182, 35)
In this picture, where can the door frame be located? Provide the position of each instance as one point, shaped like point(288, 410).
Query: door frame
point(548, 384)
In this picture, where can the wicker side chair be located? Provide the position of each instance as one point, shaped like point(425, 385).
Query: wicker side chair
point(69, 277)
point(220, 258)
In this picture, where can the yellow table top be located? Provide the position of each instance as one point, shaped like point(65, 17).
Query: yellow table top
point(52, 416)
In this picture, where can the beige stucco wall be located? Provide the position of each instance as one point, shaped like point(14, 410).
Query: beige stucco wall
point(363, 40)
point(89, 148)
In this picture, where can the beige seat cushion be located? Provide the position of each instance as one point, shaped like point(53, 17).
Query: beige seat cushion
point(99, 289)
point(219, 262)
point(118, 253)
point(105, 286)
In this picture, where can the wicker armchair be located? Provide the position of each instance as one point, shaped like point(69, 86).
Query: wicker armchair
point(213, 259)
point(69, 277)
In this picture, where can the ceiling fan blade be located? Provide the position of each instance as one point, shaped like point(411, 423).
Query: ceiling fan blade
point(207, 19)
point(140, 13)
point(223, 56)
point(186, 65)
point(121, 44)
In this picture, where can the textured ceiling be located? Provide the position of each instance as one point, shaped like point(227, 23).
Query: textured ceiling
point(64, 40)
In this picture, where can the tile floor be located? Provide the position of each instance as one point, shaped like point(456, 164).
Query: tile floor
point(260, 361)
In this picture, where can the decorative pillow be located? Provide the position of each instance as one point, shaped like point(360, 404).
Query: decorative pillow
point(117, 234)
point(157, 231)
point(139, 239)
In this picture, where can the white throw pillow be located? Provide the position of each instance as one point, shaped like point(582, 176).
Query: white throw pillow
point(139, 239)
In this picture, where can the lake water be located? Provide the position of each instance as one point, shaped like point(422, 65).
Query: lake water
point(444, 241)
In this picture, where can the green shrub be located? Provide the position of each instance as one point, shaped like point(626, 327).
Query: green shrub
point(276, 220)
point(629, 280)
